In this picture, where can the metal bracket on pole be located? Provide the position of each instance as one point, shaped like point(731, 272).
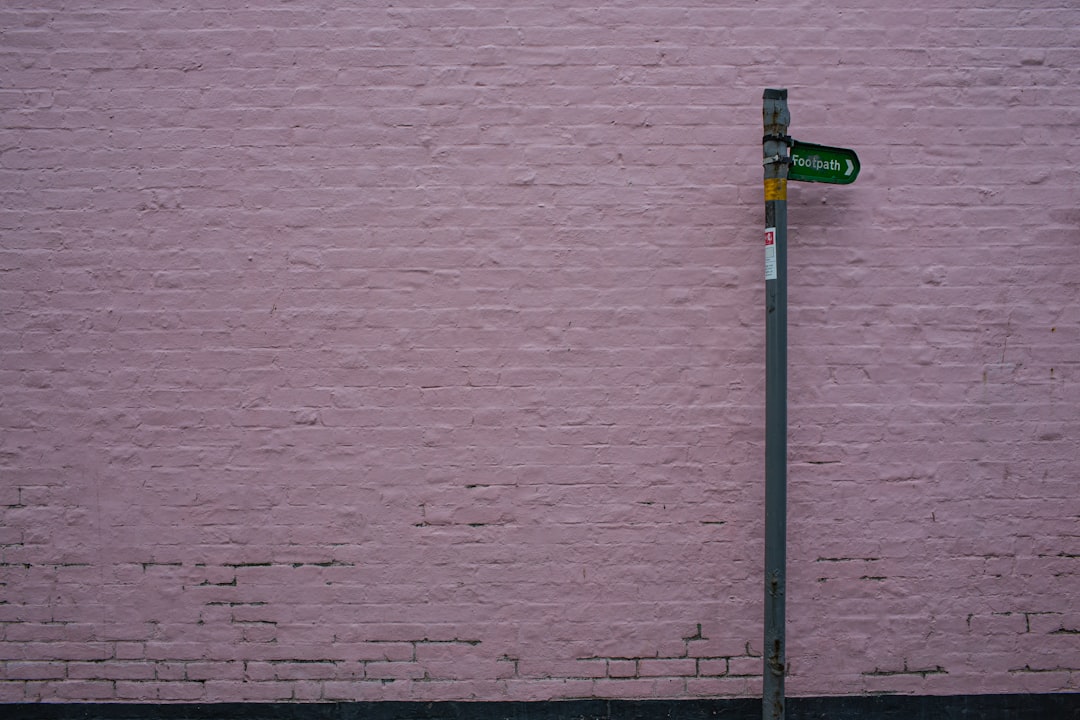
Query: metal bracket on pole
point(775, 139)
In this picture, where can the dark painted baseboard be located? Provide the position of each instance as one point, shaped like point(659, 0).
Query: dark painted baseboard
point(1059, 706)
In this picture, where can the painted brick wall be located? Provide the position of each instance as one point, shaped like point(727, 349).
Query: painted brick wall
point(414, 350)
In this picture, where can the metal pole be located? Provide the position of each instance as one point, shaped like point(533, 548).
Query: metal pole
point(775, 146)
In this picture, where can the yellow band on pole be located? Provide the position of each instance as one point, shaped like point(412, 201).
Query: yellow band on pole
point(775, 189)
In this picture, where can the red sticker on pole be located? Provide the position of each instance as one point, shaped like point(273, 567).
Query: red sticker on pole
point(770, 253)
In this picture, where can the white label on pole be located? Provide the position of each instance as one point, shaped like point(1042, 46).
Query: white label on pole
point(770, 253)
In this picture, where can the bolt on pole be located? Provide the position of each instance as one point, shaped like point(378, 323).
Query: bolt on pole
point(775, 150)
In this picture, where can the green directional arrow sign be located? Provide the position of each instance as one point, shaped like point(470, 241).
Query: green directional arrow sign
point(821, 163)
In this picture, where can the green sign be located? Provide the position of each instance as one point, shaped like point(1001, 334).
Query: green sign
point(821, 163)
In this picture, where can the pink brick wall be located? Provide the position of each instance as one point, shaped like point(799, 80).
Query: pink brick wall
point(415, 350)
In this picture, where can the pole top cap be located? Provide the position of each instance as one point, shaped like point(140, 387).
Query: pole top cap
point(775, 94)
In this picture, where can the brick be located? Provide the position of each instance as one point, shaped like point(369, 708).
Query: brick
point(394, 670)
point(639, 688)
point(723, 687)
point(744, 666)
point(135, 690)
point(15, 670)
point(112, 670)
point(665, 667)
point(213, 671)
point(304, 671)
point(79, 689)
point(341, 690)
point(622, 668)
point(712, 667)
point(129, 651)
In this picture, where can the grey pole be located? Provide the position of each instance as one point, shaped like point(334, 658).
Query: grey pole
point(775, 146)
